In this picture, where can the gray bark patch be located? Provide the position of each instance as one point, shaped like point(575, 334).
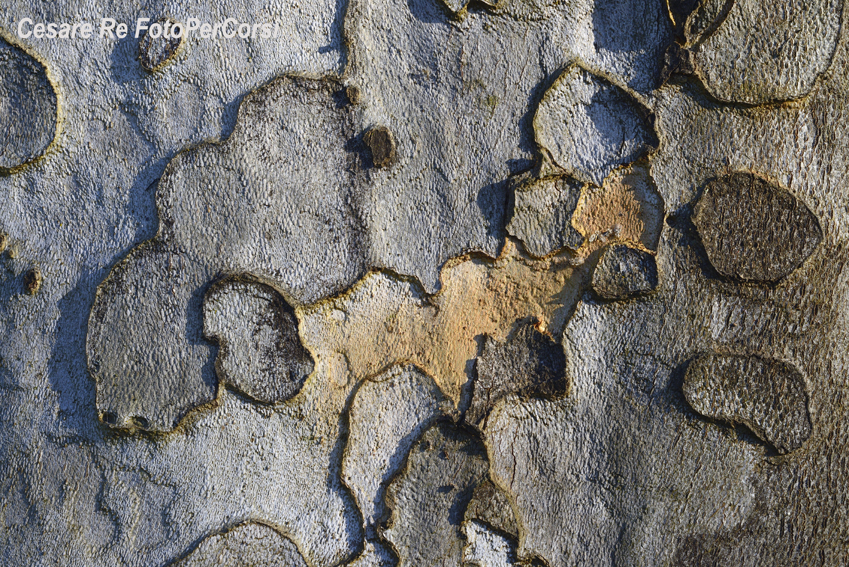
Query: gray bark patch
point(387, 416)
point(462, 122)
point(28, 108)
point(429, 498)
point(764, 52)
point(145, 347)
point(260, 353)
point(624, 272)
point(589, 126)
point(542, 215)
point(753, 230)
point(767, 396)
point(488, 548)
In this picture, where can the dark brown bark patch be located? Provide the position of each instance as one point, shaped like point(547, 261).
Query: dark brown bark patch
point(753, 230)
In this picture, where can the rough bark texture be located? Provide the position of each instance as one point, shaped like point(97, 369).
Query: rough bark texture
point(427, 283)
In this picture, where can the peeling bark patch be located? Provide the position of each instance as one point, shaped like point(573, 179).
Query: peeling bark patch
point(260, 353)
point(381, 143)
point(627, 208)
point(767, 396)
point(529, 364)
point(145, 347)
point(388, 415)
point(246, 545)
point(754, 231)
point(542, 215)
point(764, 52)
point(155, 52)
point(624, 272)
point(390, 321)
point(489, 505)
point(428, 499)
point(28, 108)
point(589, 126)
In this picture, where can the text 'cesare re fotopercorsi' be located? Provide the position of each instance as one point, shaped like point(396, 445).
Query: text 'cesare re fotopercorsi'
point(109, 28)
